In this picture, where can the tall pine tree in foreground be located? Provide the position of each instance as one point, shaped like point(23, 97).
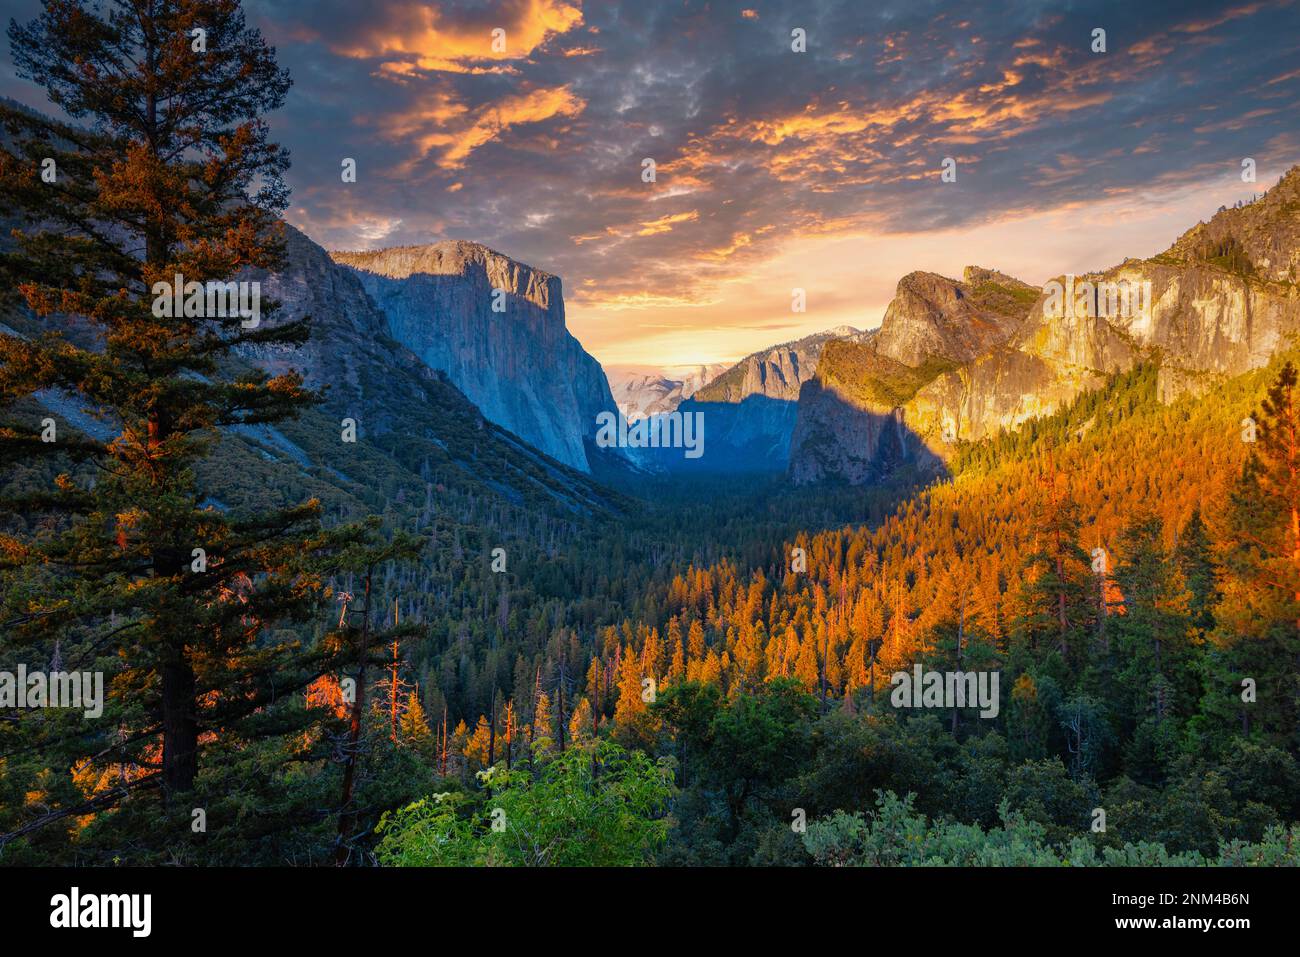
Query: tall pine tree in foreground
point(166, 170)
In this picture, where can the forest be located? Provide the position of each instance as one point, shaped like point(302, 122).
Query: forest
point(409, 668)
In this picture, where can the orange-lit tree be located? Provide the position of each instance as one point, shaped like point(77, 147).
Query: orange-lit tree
point(164, 170)
point(1257, 672)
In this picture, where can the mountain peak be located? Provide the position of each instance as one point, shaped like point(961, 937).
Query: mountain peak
point(447, 257)
point(511, 355)
point(483, 270)
point(932, 316)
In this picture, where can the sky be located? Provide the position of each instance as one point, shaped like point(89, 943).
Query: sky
point(774, 169)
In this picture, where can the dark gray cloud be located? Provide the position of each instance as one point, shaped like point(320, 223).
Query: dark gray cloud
point(537, 151)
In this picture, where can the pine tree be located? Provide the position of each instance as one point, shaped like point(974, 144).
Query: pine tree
point(1258, 634)
point(476, 748)
point(393, 691)
point(1057, 596)
point(540, 730)
point(695, 642)
point(366, 551)
point(581, 726)
point(1154, 630)
point(630, 704)
point(170, 174)
point(672, 647)
point(595, 684)
point(806, 665)
point(1194, 557)
point(677, 668)
point(414, 727)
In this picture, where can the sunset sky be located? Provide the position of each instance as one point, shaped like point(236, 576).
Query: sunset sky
point(775, 169)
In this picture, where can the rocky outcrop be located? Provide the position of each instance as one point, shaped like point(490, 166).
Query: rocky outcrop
point(1220, 302)
point(932, 316)
point(517, 362)
point(1000, 390)
point(849, 426)
point(867, 410)
point(348, 334)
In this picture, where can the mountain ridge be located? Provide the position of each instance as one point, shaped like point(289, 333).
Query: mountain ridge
point(1223, 299)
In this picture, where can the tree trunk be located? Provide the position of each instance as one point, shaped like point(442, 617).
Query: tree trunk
point(961, 634)
point(561, 724)
point(180, 728)
point(347, 813)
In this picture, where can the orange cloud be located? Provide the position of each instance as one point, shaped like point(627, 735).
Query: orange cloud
point(738, 242)
point(447, 125)
point(1233, 13)
point(420, 35)
point(1283, 78)
point(664, 224)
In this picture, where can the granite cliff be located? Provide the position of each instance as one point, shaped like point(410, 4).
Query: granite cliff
point(958, 361)
point(496, 328)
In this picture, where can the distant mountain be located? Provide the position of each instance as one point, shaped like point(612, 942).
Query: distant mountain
point(640, 391)
point(960, 361)
point(496, 328)
point(749, 410)
point(776, 372)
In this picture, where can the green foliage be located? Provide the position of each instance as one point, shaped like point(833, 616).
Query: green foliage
point(895, 835)
point(596, 807)
point(874, 380)
point(1227, 253)
point(173, 174)
point(741, 752)
point(1120, 689)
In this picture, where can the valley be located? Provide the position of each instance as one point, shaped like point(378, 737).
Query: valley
point(904, 540)
point(371, 562)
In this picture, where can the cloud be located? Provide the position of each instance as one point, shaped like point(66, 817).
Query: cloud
point(451, 130)
point(537, 150)
point(478, 38)
point(665, 224)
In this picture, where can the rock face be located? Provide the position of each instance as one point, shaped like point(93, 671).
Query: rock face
point(990, 353)
point(643, 392)
point(348, 333)
point(520, 366)
point(849, 426)
point(415, 431)
point(749, 410)
point(934, 317)
point(853, 421)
